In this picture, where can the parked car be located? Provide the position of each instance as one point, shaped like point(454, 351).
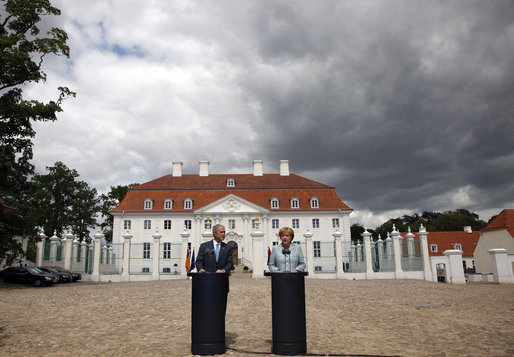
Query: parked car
point(75, 276)
point(27, 275)
point(63, 277)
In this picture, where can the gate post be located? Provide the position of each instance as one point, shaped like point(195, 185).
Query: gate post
point(366, 236)
point(339, 254)
point(156, 249)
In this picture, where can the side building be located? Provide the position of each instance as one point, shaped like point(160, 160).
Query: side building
point(185, 206)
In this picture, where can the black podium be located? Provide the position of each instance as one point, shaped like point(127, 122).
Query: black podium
point(288, 313)
point(209, 303)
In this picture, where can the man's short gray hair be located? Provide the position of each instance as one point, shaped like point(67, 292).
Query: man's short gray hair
point(216, 227)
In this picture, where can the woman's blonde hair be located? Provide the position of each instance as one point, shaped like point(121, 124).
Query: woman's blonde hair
point(286, 230)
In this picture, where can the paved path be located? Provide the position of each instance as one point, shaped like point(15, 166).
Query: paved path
point(375, 317)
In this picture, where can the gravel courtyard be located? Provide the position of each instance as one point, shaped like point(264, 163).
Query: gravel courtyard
point(374, 317)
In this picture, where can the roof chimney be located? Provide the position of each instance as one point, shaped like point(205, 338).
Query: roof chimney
point(467, 229)
point(257, 167)
point(177, 168)
point(204, 168)
point(284, 167)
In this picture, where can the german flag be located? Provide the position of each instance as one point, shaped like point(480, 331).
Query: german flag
point(188, 261)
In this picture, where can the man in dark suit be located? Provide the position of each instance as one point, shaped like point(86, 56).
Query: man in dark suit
point(215, 256)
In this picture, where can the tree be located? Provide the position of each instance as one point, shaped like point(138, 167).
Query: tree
point(433, 221)
point(109, 202)
point(22, 51)
point(63, 202)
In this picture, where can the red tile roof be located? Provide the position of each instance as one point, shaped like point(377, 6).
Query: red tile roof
point(447, 240)
point(505, 220)
point(204, 190)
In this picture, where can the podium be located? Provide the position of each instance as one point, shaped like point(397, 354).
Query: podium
point(209, 304)
point(288, 313)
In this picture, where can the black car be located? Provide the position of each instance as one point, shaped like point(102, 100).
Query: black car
point(27, 275)
point(75, 276)
point(63, 277)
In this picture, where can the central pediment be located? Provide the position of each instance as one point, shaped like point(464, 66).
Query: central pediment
point(231, 204)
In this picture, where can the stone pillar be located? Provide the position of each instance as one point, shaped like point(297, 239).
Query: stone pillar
point(185, 240)
point(83, 255)
point(380, 248)
point(366, 237)
point(53, 248)
point(110, 252)
point(96, 260)
point(258, 249)
point(41, 249)
point(68, 248)
point(156, 254)
point(91, 252)
point(389, 247)
point(74, 253)
point(246, 245)
point(423, 245)
point(198, 231)
point(309, 254)
point(125, 275)
point(339, 254)
point(455, 270)
point(410, 244)
point(502, 269)
point(265, 230)
point(347, 236)
point(398, 272)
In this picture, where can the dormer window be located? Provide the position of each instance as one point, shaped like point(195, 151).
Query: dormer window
point(314, 202)
point(188, 203)
point(231, 182)
point(433, 248)
point(274, 203)
point(168, 203)
point(295, 203)
point(148, 203)
point(458, 246)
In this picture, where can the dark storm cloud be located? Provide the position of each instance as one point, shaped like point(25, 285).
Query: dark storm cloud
point(409, 100)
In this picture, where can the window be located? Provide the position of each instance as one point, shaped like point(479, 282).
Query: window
point(275, 223)
point(207, 224)
point(295, 203)
point(458, 246)
point(274, 203)
point(147, 224)
point(145, 270)
point(166, 270)
point(189, 246)
point(187, 224)
point(127, 224)
point(168, 204)
point(318, 268)
point(315, 223)
point(296, 223)
point(148, 203)
point(146, 250)
point(231, 224)
point(166, 250)
point(314, 202)
point(335, 222)
point(167, 224)
point(188, 203)
point(433, 248)
point(231, 182)
point(255, 223)
point(317, 248)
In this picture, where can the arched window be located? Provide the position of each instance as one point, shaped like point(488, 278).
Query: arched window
point(314, 202)
point(274, 203)
point(168, 203)
point(148, 203)
point(295, 203)
point(231, 182)
point(188, 203)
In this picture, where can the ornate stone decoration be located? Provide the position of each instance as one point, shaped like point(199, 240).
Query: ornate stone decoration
point(231, 205)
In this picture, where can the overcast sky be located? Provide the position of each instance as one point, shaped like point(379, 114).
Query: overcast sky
point(403, 106)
